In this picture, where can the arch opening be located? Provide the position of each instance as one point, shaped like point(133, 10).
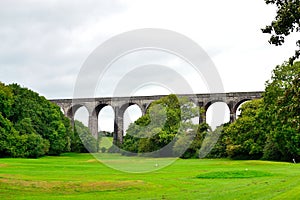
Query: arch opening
point(238, 107)
point(106, 117)
point(217, 113)
point(131, 114)
point(80, 113)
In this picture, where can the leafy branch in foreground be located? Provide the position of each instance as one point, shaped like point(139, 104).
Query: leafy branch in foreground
point(287, 20)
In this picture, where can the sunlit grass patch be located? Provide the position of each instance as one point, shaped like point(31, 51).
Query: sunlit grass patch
point(234, 174)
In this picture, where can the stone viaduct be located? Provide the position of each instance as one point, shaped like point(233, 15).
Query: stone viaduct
point(120, 104)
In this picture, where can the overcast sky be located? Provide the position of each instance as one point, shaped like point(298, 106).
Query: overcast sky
point(45, 43)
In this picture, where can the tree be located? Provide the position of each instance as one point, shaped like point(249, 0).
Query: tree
point(45, 117)
point(7, 136)
point(156, 128)
point(268, 128)
point(83, 141)
point(30, 125)
point(219, 148)
point(196, 134)
point(281, 105)
point(245, 138)
point(286, 21)
point(6, 100)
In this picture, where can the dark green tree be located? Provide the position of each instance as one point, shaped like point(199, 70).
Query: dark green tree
point(6, 100)
point(245, 138)
point(281, 105)
point(286, 21)
point(219, 147)
point(44, 116)
point(30, 125)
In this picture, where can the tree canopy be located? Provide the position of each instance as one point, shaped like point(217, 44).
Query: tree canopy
point(287, 20)
point(30, 125)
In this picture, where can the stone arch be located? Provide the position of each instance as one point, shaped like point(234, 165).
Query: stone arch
point(217, 120)
point(99, 107)
point(238, 104)
point(147, 106)
point(98, 110)
point(105, 123)
point(72, 110)
point(124, 107)
point(209, 103)
point(119, 119)
point(131, 114)
point(123, 110)
point(79, 113)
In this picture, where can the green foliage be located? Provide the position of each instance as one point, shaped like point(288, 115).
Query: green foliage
point(166, 119)
point(13, 144)
point(269, 128)
point(286, 21)
point(281, 106)
point(46, 117)
point(215, 143)
point(190, 142)
point(156, 128)
point(103, 149)
point(105, 134)
point(83, 141)
point(6, 100)
point(245, 138)
point(30, 125)
point(7, 136)
point(29, 146)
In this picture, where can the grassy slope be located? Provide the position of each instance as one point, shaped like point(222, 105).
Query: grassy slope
point(80, 176)
point(105, 142)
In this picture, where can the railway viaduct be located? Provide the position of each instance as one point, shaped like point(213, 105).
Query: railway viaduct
point(120, 104)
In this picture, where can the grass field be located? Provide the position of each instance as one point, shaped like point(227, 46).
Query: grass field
point(81, 176)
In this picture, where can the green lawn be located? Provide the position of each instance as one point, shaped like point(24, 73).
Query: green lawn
point(81, 176)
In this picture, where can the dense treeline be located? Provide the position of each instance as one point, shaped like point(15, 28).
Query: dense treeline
point(31, 126)
point(268, 128)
